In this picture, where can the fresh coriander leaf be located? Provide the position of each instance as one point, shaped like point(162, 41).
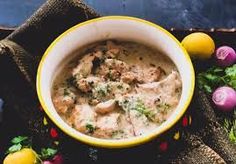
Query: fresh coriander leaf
point(207, 88)
point(231, 71)
point(19, 139)
point(102, 90)
point(217, 70)
point(232, 83)
point(141, 108)
point(47, 153)
point(14, 148)
point(90, 128)
point(211, 77)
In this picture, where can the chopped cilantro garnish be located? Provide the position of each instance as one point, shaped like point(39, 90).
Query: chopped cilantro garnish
point(116, 133)
point(66, 92)
point(102, 90)
point(90, 128)
point(163, 108)
point(119, 86)
point(138, 105)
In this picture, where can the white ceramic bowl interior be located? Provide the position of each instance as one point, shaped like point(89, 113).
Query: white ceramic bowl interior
point(119, 28)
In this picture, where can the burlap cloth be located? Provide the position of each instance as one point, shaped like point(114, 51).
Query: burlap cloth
point(204, 141)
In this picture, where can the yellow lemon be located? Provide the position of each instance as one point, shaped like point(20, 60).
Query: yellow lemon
point(24, 156)
point(199, 45)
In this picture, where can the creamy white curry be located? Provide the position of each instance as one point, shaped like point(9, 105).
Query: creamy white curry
point(117, 90)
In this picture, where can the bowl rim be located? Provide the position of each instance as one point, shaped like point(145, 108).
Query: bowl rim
point(106, 143)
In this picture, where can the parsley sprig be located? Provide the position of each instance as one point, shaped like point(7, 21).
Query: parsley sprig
point(215, 77)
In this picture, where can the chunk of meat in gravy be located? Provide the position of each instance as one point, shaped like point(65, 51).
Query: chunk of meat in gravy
point(63, 102)
point(126, 128)
point(152, 74)
point(140, 123)
point(160, 97)
point(105, 91)
point(105, 107)
point(86, 84)
point(83, 115)
point(128, 77)
point(113, 68)
point(117, 65)
point(106, 125)
point(167, 88)
point(119, 88)
point(84, 68)
point(113, 49)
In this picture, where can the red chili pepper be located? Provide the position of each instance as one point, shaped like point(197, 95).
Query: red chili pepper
point(163, 146)
point(53, 133)
point(185, 121)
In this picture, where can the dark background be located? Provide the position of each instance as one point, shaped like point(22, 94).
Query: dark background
point(168, 13)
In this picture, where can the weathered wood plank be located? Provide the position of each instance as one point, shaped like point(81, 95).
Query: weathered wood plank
point(168, 13)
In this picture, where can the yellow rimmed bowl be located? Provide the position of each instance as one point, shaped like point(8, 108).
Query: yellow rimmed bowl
point(119, 28)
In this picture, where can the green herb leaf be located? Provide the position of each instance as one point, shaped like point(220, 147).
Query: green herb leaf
point(19, 142)
point(14, 148)
point(90, 128)
point(102, 90)
point(19, 139)
point(119, 86)
point(231, 71)
point(217, 70)
point(47, 153)
point(207, 88)
point(136, 104)
point(140, 107)
point(215, 77)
